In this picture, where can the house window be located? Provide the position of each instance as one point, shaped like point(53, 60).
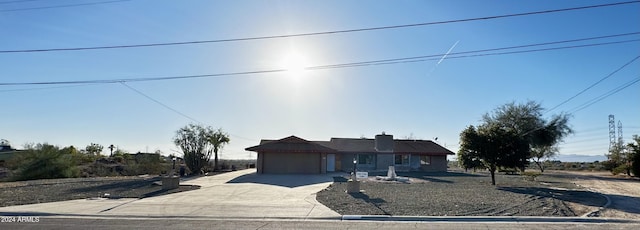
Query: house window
point(425, 160)
point(402, 159)
point(365, 159)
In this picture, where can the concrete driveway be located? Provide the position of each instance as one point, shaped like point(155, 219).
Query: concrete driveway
point(239, 194)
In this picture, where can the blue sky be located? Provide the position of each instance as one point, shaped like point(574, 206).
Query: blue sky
point(426, 99)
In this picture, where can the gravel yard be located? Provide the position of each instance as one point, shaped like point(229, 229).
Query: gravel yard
point(51, 190)
point(462, 194)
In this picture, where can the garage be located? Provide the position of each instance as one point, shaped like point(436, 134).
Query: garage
point(291, 155)
point(291, 163)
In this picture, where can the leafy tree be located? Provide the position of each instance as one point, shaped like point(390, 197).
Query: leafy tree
point(198, 143)
point(544, 139)
point(94, 149)
point(526, 121)
point(634, 152)
point(218, 139)
point(618, 160)
point(492, 145)
point(76, 156)
point(542, 153)
point(468, 160)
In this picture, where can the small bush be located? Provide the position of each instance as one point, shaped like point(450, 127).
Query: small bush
point(620, 169)
point(610, 165)
point(531, 175)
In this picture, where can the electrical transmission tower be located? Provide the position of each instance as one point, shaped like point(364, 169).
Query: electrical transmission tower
point(620, 140)
point(612, 132)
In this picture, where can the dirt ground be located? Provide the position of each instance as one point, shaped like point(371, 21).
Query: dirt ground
point(51, 190)
point(624, 192)
point(457, 193)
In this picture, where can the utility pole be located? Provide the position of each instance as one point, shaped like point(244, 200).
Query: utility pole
point(612, 132)
point(620, 140)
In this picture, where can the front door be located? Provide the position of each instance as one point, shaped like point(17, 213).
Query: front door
point(331, 162)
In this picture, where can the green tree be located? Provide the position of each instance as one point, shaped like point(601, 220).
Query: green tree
point(618, 161)
point(541, 153)
point(526, 120)
point(197, 144)
point(218, 140)
point(634, 152)
point(492, 145)
point(94, 149)
point(468, 160)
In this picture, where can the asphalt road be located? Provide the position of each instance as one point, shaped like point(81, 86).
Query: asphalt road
point(176, 223)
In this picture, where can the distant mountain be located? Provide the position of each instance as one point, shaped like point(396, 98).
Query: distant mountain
point(579, 158)
point(566, 158)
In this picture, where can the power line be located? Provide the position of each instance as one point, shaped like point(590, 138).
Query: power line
point(64, 6)
point(594, 84)
point(41, 88)
point(160, 103)
point(456, 55)
point(17, 1)
point(603, 128)
point(584, 140)
point(172, 109)
point(321, 67)
point(488, 50)
point(605, 95)
point(599, 98)
point(317, 33)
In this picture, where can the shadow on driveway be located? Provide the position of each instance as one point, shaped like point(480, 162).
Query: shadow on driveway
point(289, 181)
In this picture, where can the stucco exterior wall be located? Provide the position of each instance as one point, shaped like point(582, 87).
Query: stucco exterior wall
point(438, 164)
point(384, 161)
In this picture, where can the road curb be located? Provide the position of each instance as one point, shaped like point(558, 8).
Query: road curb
point(448, 219)
point(524, 219)
point(596, 212)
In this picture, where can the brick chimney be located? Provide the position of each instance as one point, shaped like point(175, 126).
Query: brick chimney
point(384, 143)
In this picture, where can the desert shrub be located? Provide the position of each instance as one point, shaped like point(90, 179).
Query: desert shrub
point(609, 165)
point(149, 163)
point(619, 169)
point(44, 161)
point(531, 175)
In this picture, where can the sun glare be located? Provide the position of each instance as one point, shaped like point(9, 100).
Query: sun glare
point(295, 65)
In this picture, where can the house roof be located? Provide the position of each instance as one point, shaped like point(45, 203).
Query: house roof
point(420, 146)
point(359, 145)
point(353, 144)
point(290, 144)
point(399, 146)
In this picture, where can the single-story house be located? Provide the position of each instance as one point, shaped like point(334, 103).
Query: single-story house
point(296, 155)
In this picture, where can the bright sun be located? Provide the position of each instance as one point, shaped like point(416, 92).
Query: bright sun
point(295, 65)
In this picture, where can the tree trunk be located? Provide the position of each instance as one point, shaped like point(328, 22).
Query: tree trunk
point(540, 166)
point(492, 170)
point(215, 161)
point(628, 170)
point(493, 177)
